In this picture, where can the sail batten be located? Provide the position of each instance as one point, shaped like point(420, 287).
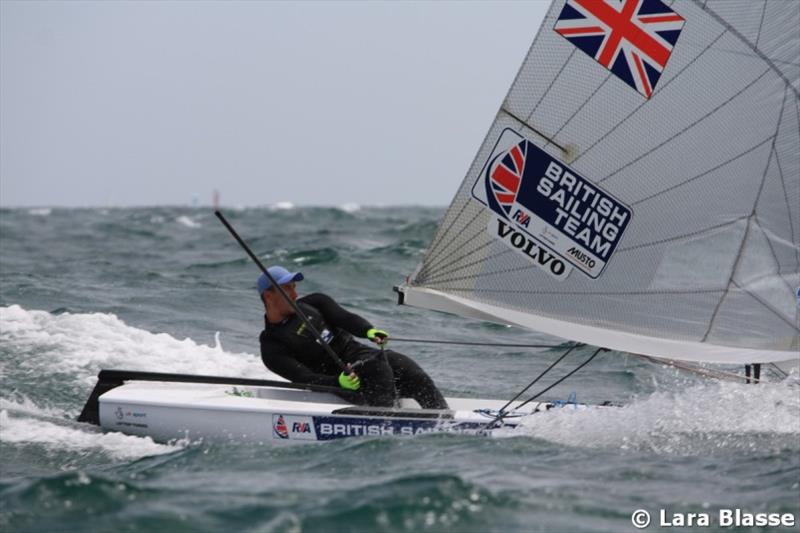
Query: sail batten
point(647, 197)
point(547, 138)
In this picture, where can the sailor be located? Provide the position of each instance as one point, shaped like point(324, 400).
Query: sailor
point(291, 350)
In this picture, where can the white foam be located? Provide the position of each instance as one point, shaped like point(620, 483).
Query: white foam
point(188, 222)
point(83, 344)
point(694, 420)
point(278, 254)
point(40, 212)
point(281, 206)
point(25, 405)
point(18, 430)
point(350, 207)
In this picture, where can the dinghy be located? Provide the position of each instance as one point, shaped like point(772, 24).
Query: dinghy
point(638, 191)
point(167, 407)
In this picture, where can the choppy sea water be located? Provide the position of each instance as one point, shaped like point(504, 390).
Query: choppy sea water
point(167, 289)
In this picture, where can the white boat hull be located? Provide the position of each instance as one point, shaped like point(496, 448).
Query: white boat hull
point(166, 411)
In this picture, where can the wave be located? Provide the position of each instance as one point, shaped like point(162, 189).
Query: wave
point(183, 220)
point(221, 264)
point(81, 344)
point(703, 418)
point(116, 229)
point(315, 256)
point(25, 430)
point(350, 207)
point(23, 405)
point(67, 346)
point(405, 248)
point(26, 423)
point(423, 230)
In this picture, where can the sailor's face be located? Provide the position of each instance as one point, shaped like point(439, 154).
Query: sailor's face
point(275, 301)
point(290, 291)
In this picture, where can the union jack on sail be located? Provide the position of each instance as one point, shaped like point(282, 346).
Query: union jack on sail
point(505, 176)
point(631, 38)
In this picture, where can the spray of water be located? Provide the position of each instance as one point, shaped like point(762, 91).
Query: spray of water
point(699, 418)
point(79, 346)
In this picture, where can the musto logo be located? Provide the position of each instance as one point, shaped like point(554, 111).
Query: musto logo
point(547, 212)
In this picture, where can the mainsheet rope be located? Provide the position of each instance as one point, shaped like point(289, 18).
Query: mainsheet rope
point(540, 376)
point(502, 414)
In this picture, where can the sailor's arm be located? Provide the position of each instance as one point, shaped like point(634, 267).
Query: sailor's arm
point(336, 316)
point(278, 359)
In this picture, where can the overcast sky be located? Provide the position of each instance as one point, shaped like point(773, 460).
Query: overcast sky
point(152, 103)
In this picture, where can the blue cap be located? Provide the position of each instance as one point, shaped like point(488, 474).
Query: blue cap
point(280, 275)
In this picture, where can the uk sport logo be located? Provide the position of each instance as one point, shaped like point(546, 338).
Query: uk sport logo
point(279, 427)
point(293, 427)
point(504, 178)
point(632, 38)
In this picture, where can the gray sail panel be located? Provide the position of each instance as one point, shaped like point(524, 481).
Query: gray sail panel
point(708, 165)
point(784, 184)
point(779, 40)
point(757, 274)
point(746, 16)
point(777, 218)
point(769, 26)
point(734, 325)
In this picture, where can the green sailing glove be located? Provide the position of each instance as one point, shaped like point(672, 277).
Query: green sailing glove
point(378, 336)
point(346, 382)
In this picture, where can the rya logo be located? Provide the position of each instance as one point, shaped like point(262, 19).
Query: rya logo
point(301, 427)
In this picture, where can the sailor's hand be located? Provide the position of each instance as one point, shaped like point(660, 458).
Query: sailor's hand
point(349, 381)
point(378, 336)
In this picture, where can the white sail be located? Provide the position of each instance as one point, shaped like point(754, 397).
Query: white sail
point(639, 188)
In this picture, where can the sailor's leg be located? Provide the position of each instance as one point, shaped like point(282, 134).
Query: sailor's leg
point(413, 382)
point(377, 378)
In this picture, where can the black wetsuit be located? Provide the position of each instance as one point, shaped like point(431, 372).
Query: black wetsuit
point(290, 350)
